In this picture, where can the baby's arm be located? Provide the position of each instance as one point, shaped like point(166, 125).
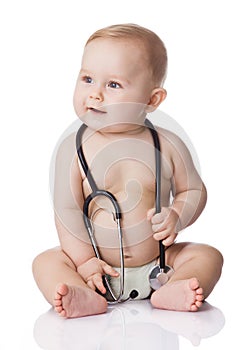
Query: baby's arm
point(188, 190)
point(68, 204)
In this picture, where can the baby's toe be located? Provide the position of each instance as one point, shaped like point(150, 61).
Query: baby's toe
point(200, 297)
point(58, 309)
point(57, 296)
point(57, 302)
point(63, 313)
point(199, 291)
point(194, 284)
point(62, 289)
point(194, 307)
point(198, 303)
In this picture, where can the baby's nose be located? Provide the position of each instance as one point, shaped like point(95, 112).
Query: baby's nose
point(96, 94)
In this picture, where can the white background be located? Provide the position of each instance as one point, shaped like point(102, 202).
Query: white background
point(209, 94)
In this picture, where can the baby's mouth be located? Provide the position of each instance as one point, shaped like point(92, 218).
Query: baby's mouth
point(98, 111)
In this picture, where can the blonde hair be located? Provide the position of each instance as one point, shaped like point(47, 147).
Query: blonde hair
point(155, 48)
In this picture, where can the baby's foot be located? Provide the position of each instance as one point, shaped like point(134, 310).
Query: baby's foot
point(72, 301)
point(184, 295)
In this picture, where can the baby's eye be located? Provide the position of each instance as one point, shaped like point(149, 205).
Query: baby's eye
point(114, 85)
point(87, 79)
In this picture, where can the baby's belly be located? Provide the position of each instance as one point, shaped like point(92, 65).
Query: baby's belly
point(138, 243)
point(136, 255)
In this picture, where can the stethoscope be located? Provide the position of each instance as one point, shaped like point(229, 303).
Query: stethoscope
point(159, 274)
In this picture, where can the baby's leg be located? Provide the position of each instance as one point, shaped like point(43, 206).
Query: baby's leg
point(197, 270)
point(63, 287)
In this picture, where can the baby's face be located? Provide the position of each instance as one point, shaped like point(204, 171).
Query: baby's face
point(113, 73)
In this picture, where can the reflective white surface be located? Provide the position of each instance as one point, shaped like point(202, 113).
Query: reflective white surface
point(130, 326)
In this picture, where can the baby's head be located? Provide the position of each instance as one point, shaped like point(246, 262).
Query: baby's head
point(153, 46)
point(122, 73)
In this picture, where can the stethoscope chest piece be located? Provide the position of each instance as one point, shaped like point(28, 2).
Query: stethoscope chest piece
point(158, 277)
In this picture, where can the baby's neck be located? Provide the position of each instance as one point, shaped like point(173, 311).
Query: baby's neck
point(136, 130)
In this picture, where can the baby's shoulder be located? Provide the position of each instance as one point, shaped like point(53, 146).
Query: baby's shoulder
point(173, 146)
point(169, 138)
point(67, 142)
point(65, 149)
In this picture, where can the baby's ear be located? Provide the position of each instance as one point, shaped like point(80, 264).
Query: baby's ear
point(158, 95)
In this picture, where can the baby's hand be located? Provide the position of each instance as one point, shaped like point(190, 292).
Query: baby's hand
point(92, 271)
point(164, 225)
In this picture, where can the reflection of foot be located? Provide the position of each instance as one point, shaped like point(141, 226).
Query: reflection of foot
point(185, 295)
point(77, 301)
point(194, 326)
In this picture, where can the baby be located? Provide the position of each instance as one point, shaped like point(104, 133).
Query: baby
point(120, 81)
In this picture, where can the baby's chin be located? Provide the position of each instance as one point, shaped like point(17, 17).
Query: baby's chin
point(115, 118)
point(116, 124)
point(119, 127)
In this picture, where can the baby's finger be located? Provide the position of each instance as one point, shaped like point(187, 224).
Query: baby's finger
point(150, 213)
point(169, 240)
point(162, 235)
point(91, 284)
point(97, 280)
point(157, 218)
point(162, 226)
point(110, 271)
point(157, 228)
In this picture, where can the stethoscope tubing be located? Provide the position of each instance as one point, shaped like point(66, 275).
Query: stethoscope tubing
point(157, 185)
point(89, 228)
point(118, 214)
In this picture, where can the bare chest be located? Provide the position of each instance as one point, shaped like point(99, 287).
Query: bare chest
point(120, 163)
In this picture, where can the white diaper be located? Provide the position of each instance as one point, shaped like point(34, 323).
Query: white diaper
point(135, 278)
